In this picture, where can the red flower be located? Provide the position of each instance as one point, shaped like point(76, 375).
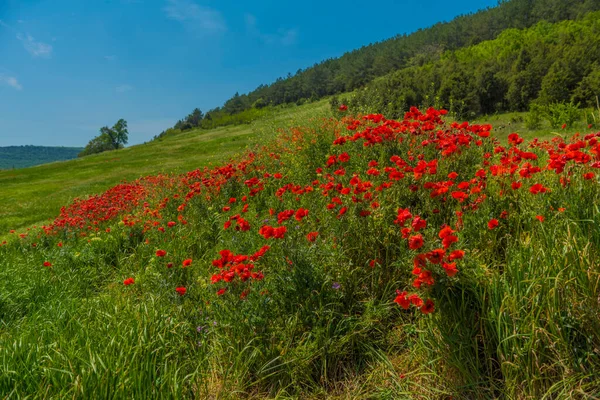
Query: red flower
point(128, 281)
point(456, 255)
point(187, 263)
point(47, 264)
point(161, 253)
point(450, 268)
point(588, 176)
point(181, 290)
point(428, 307)
point(312, 236)
point(415, 242)
point(402, 300)
point(221, 291)
point(415, 300)
point(418, 223)
point(492, 223)
point(540, 218)
point(343, 107)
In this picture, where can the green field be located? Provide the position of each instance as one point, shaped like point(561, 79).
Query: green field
point(342, 259)
point(31, 196)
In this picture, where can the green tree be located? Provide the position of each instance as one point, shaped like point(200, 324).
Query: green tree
point(109, 139)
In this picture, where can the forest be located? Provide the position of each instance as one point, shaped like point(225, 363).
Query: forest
point(400, 57)
point(27, 156)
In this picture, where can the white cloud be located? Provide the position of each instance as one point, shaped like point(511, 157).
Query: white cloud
point(10, 81)
point(195, 17)
point(123, 88)
point(284, 37)
point(35, 48)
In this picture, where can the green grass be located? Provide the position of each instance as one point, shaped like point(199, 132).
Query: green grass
point(519, 319)
point(32, 196)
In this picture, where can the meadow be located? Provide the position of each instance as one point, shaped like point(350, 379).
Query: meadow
point(31, 196)
point(334, 257)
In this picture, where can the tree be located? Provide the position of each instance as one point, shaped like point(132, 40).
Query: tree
point(109, 139)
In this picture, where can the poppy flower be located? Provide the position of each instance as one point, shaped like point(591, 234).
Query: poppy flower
point(187, 263)
point(312, 236)
point(492, 223)
point(415, 242)
point(402, 300)
point(128, 281)
point(343, 107)
point(161, 253)
point(181, 290)
point(47, 264)
point(540, 218)
point(428, 307)
point(221, 291)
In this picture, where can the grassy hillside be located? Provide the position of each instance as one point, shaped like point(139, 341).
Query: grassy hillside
point(32, 195)
point(26, 156)
point(342, 258)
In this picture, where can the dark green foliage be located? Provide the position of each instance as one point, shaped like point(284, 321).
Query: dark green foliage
point(28, 156)
point(109, 139)
point(357, 68)
point(548, 63)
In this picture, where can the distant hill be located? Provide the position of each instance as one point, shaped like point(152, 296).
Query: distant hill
point(28, 156)
point(357, 68)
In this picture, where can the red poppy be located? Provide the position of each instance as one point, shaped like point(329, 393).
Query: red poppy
point(540, 218)
point(187, 263)
point(343, 107)
point(415, 242)
point(181, 290)
point(492, 223)
point(428, 307)
point(128, 281)
point(312, 236)
point(221, 291)
point(402, 300)
point(161, 253)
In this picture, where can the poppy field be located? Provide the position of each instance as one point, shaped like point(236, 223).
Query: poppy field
point(352, 257)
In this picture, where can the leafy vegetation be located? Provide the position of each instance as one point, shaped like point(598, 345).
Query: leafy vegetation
point(12, 157)
point(549, 67)
point(342, 256)
point(109, 139)
point(358, 68)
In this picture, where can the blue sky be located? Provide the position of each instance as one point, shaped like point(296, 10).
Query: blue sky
point(68, 67)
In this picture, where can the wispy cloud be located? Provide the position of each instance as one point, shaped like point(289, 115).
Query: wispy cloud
point(284, 37)
point(10, 81)
point(34, 47)
point(123, 88)
point(196, 18)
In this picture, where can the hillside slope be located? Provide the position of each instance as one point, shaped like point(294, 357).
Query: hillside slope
point(350, 257)
point(32, 195)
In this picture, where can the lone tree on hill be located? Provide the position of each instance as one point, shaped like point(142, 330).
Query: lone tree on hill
point(109, 139)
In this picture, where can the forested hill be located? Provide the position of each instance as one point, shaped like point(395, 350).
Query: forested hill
point(541, 67)
point(357, 68)
point(28, 156)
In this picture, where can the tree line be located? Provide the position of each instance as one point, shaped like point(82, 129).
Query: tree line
point(358, 68)
point(537, 67)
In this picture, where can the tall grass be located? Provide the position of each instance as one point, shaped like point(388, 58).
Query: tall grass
point(518, 320)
